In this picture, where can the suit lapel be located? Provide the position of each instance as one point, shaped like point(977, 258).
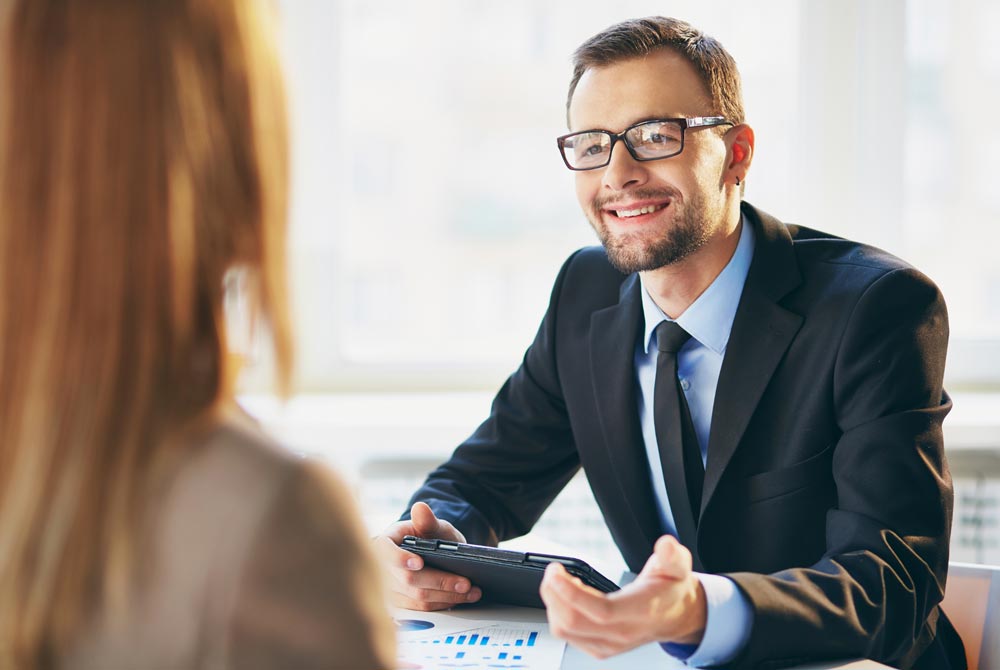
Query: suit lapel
point(614, 332)
point(762, 331)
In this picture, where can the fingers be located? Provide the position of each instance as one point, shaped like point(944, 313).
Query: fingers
point(394, 557)
point(670, 559)
point(424, 521)
point(397, 531)
point(587, 600)
point(431, 589)
point(568, 621)
point(426, 524)
point(414, 586)
point(423, 524)
point(662, 604)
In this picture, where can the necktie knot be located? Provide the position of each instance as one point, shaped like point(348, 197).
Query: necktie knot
point(670, 337)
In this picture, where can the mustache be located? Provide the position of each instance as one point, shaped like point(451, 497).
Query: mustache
point(638, 194)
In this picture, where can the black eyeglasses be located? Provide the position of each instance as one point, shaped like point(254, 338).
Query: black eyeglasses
point(645, 141)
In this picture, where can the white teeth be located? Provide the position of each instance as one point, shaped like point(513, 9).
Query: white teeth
point(648, 209)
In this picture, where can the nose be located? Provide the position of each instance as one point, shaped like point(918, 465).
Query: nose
point(623, 171)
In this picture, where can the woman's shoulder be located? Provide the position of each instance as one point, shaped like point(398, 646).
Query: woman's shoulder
point(305, 559)
point(237, 535)
point(234, 481)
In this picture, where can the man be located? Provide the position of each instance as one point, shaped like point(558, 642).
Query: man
point(757, 405)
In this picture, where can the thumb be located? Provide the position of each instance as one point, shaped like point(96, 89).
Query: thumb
point(424, 521)
point(670, 560)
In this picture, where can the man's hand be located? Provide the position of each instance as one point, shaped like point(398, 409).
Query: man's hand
point(411, 585)
point(665, 603)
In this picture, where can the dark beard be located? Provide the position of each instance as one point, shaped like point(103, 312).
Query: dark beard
point(630, 253)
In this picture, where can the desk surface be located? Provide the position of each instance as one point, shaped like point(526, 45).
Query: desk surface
point(649, 656)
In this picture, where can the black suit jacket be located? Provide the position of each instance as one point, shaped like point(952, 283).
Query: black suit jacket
point(827, 498)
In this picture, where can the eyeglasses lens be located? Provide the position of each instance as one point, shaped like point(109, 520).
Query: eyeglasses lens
point(657, 139)
point(647, 141)
point(588, 150)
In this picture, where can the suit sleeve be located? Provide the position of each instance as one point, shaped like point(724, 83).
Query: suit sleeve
point(310, 595)
point(874, 592)
point(503, 477)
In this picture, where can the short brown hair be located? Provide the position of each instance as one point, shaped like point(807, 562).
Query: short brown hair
point(640, 37)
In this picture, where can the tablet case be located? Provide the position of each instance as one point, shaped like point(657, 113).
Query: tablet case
point(510, 577)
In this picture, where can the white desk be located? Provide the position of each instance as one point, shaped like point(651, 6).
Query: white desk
point(649, 656)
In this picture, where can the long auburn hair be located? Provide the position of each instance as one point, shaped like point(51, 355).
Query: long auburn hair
point(143, 153)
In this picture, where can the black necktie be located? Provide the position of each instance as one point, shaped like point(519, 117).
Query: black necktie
point(678, 444)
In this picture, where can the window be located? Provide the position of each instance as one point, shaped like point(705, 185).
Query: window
point(431, 210)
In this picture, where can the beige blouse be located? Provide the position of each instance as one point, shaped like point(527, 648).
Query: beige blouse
point(252, 558)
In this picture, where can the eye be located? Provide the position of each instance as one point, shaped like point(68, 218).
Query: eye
point(589, 147)
point(656, 133)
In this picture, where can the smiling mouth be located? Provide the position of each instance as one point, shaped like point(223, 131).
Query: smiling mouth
point(631, 213)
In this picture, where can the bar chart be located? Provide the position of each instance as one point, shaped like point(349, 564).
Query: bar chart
point(497, 647)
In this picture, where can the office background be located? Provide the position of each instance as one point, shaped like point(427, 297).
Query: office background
point(431, 211)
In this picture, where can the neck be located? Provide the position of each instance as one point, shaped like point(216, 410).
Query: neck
point(674, 287)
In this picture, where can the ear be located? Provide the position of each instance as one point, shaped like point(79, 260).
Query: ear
point(740, 140)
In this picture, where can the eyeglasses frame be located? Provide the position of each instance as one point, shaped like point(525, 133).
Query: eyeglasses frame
point(683, 122)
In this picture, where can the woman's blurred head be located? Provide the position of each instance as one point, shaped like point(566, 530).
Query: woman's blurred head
point(143, 153)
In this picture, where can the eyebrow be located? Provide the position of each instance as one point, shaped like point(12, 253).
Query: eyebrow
point(647, 119)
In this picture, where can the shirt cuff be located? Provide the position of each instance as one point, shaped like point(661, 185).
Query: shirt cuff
point(726, 630)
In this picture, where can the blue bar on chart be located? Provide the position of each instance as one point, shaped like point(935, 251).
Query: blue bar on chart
point(489, 641)
point(497, 638)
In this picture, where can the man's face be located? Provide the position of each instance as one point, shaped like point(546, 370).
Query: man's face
point(649, 214)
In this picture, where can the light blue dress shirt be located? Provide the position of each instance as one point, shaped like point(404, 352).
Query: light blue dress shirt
point(709, 320)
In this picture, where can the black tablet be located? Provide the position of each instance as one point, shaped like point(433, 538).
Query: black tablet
point(511, 577)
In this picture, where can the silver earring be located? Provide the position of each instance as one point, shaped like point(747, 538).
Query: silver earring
point(737, 181)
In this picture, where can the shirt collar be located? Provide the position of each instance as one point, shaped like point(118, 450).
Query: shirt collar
point(709, 319)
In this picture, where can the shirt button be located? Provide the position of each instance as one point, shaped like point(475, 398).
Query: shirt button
point(685, 384)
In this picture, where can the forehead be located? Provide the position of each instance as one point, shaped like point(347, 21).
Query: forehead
point(661, 84)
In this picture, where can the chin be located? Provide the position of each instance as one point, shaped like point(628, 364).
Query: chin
point(634, 253)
